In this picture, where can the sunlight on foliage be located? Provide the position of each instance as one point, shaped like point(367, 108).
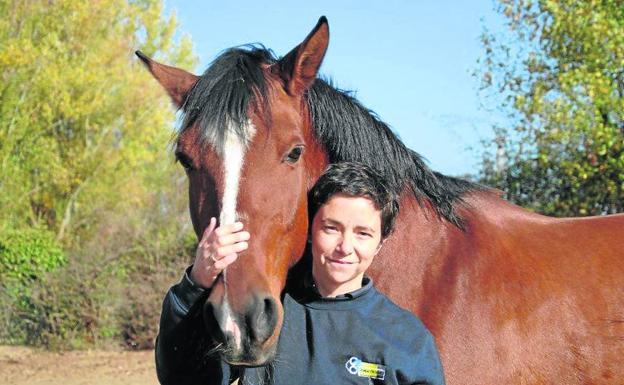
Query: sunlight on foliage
point(558, 76)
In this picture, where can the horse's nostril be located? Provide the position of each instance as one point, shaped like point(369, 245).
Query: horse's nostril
point(270, 313)
point(269, 307)
point(262, 318)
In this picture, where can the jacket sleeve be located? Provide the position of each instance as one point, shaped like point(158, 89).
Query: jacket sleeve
point(185, 353)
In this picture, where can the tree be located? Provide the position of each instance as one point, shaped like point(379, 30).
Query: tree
point(84, 131)
point(558, 77)
point(79, 119)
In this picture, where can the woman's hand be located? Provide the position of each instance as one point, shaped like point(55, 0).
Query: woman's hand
point(217, 249)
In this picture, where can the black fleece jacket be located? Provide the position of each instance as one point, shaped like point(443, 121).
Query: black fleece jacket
point(357, 338)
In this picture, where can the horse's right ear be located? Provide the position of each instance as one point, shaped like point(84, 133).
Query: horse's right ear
point(299, 67)
point(177, 82)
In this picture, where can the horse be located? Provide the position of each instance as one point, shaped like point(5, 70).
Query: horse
point(511, 296)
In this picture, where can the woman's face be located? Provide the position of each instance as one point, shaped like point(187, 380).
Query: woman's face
point(346, 236)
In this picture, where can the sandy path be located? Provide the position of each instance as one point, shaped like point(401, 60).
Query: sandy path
point(26, 366)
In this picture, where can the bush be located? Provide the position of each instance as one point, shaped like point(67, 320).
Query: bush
point(105, 290)
point(139, 313)
point(69, 306)
point(102, 300)
point(26, 255)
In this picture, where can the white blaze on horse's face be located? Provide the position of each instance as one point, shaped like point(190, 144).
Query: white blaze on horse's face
point(233, 159)
point(231, 327)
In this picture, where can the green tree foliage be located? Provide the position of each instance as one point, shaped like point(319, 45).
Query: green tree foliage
point(558, 76)
point(78, 118)
point(84, 131)
point(26, 255)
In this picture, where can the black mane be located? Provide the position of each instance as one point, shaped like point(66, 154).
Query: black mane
point(223, 93)
point(347, 130)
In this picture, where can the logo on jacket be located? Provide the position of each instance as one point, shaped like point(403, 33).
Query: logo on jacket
point(365, 369)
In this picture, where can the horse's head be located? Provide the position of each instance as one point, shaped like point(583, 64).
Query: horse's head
point(250, 154)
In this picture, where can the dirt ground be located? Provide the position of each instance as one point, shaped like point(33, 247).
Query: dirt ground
point(26, 366)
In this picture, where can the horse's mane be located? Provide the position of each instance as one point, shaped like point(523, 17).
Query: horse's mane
point(351, 132)
point(347, 130)
point(220, 98)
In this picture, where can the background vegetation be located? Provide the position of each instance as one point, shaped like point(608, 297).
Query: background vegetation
point(557, 75)
point(94, 225)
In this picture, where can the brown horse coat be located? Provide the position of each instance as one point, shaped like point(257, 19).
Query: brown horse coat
point(520, 297)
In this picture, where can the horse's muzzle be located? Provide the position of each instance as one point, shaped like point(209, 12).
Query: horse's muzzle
point(246, 336)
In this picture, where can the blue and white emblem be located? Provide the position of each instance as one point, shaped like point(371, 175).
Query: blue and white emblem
point(360, 368)
point(353, 364)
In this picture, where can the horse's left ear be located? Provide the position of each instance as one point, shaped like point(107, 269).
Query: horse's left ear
point(299, 67)
point(177, 82)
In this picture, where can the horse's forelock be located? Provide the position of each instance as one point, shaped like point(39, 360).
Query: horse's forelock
point(220, 101)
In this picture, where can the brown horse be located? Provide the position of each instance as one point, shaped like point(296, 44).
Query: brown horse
point(512, 297)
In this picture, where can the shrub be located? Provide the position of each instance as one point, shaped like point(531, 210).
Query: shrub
point(26, 255)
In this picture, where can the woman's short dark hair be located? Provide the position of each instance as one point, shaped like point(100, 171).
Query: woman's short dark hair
point(356, 180)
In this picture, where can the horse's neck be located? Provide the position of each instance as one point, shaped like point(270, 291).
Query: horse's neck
point(427, 257)
point(418, 249)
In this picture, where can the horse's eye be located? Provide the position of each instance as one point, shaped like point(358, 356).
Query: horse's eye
point(294, 154)
point(185, 161)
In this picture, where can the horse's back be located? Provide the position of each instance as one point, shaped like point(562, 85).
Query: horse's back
point(515, 297)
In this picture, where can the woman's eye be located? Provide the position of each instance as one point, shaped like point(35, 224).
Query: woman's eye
point(330, 229)
point(294, 154)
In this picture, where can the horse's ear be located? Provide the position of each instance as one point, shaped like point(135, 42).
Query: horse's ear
point(176, 81)
point(299, 67)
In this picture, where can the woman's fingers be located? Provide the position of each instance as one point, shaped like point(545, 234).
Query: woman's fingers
point(229, 228)
point(225, 261)
point(218, 248)
point(230, 239)
point(208, 231)
point(224, 251)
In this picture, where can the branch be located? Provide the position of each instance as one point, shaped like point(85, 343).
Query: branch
point(68, 211)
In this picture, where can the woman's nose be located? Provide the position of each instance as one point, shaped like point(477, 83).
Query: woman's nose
point(346, 244)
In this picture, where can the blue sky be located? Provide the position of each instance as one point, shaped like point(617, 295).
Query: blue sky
point(409, 61)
